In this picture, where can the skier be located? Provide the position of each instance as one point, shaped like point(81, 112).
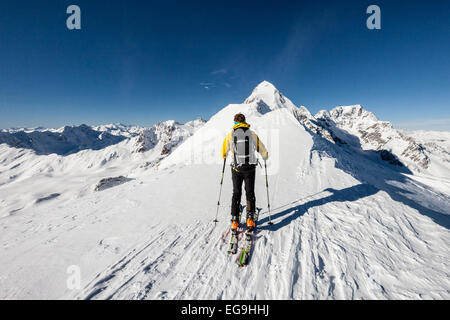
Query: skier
point(243, 142)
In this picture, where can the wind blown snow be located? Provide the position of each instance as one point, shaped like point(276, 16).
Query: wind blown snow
point(360, 209)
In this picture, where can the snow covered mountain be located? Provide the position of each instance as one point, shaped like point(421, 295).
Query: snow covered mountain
point(355, 216)
point(373, 134)
point(119, 129)
point(72, 161)
point(66, 141)
point(167, 135)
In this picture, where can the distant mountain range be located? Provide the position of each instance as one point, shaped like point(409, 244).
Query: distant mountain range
point(360, 210)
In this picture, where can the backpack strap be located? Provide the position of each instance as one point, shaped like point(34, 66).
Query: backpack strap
point(247, 150)
point(234, 151)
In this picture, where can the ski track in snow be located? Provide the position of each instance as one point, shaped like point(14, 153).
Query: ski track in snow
point(345, 226)
point(302, 261)
point(316, 249)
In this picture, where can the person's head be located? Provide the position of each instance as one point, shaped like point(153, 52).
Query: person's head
point(239, 118)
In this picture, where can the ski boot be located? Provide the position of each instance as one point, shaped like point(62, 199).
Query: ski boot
point(251, 225)
point(234, 225)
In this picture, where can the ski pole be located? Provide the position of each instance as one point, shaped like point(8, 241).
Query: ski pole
point(220, 192)
point(267, 188)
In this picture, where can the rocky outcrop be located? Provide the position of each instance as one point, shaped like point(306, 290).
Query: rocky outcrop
point(381, 136)
point(168, 135)
point(311, 123)
point(107, 183)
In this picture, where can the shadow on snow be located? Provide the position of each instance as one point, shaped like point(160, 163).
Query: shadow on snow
point(374, 175)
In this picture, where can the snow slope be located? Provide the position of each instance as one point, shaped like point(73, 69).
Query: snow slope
point(347, 225)
point(40, 169)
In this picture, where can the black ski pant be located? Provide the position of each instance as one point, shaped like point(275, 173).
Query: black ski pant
point(245, 174)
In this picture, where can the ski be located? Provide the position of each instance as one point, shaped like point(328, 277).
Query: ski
point(233, 242)
point(246, 251)
point(233, 247)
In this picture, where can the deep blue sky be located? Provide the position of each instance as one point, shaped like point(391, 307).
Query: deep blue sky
point(140, 62)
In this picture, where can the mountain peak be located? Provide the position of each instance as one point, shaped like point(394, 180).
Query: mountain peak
point(264, 89)
point(266, 84)
point(353, 112)
point(271, 96)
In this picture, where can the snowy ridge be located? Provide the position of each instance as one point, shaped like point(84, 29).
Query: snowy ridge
point(310, 122)
point(71, 162)
point(373, 134)
point(164, 137)
point(119, 129)
point(350, 234)
point(270, 96)
point(347, 225)
point(63, 142)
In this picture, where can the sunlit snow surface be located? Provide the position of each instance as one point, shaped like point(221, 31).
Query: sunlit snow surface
point(347, 225)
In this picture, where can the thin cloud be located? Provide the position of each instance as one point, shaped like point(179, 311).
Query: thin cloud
point(219, 71)
point(220, 78)
point(207, 85)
